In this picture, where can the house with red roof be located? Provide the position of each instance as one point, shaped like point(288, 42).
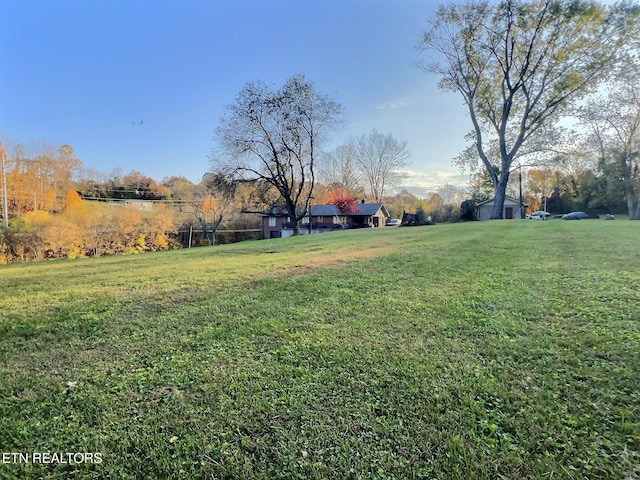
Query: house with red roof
point(323, 218)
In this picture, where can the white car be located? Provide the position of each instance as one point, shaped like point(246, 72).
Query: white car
point(394, 222)
point(539, 215)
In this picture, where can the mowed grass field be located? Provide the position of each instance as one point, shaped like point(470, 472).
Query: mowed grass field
point(480, 350)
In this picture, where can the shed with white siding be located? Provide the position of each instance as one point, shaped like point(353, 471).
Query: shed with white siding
point(511, 209)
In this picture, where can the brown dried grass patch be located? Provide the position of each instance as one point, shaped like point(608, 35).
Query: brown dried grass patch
point(309, 262)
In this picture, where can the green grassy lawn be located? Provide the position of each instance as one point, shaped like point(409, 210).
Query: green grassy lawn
point(481, 350)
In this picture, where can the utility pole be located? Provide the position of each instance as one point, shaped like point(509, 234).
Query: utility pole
point(5, 214)
point(521, 200)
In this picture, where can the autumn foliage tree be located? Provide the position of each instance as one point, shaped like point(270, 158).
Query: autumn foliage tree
point(209, 217)
point(87, 229)
point(74, 206)
point(50, 218)
point(210, 204)
point(37, 176)
point(347, 204)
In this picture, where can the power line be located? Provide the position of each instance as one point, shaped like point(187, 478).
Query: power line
point(152, 200)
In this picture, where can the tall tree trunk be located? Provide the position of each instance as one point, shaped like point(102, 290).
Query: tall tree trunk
point(205, 231)
point(291, 208)
point(633, 203)
point(500, 195)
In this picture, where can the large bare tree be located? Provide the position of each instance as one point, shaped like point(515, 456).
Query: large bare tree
point(519, 64)
point(337, 169)
point(379, 159)
point(275, 135)
point(614, 122)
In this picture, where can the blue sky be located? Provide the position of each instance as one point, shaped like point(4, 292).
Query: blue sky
point(141, 85)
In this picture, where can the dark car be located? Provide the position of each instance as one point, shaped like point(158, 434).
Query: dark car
point(574, 216)
point(579, 215)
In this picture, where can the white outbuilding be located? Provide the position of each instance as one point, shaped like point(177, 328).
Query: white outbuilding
point(510, 210)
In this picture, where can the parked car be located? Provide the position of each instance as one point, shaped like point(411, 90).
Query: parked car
point(574, 216)
point(394, 222)
point(539, 215)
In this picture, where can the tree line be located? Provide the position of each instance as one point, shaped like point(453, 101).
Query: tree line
point(56, 207)
point(522, 68)
point(77, 212)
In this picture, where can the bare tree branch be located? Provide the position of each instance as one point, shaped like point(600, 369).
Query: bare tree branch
point(275, 136)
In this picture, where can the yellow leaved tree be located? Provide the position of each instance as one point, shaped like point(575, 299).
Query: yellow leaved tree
point(75, 207)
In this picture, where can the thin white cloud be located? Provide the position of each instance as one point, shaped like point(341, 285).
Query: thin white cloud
point(434, 178)
point(391, 105)
point(423, 184)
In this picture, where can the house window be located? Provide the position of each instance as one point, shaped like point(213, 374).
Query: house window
point(272, 221)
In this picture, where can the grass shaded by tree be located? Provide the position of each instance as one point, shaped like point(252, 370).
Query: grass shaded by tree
point(485, 350)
